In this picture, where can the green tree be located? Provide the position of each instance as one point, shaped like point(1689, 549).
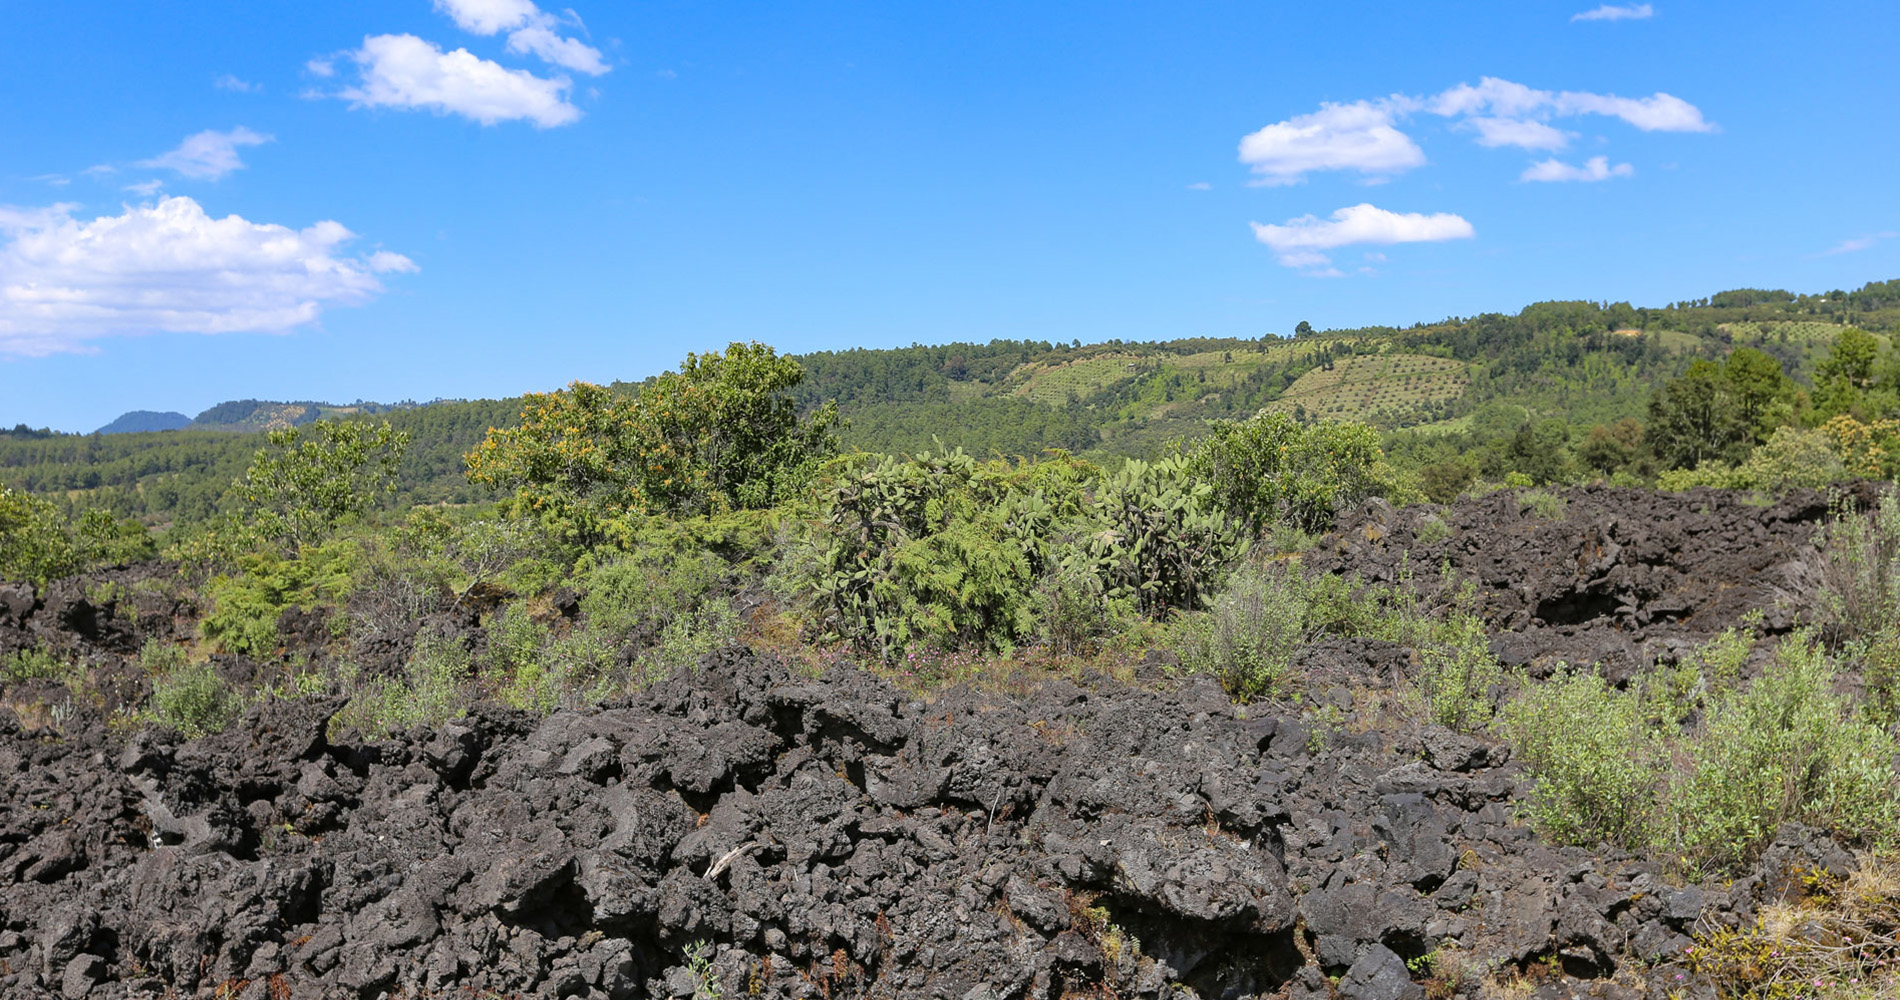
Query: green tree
point(1845, 379)
point(725, 429)
point(1273, 469)
point(1444, 482)
point(1694, 418)
point(722, 432)
point(1612, 447)
point(1852, 359)
point(1792, 459)
point(1537, 449)
point(39, 543)
point(34, 542)
point(1755, 382)
point(307, 480)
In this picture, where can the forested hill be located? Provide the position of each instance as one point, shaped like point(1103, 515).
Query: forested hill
point(1581, 364)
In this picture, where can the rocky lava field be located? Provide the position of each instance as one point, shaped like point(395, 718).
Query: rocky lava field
point(747, 829)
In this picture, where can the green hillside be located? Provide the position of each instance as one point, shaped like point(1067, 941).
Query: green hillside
point(1436, 389)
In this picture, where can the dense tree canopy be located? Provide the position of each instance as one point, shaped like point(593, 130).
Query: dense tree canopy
point(722, 432)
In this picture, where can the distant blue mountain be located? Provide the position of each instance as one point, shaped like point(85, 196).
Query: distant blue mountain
point(145, 420)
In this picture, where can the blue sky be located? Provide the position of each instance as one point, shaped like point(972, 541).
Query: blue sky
point(407, 199)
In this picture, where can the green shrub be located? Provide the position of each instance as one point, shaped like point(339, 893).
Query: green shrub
point(1548, 506)
point(935, 550)
point(639, 594)
point(1073, 614)
point(1617, 766)
point(516, 664)
point(712, 626)
point(1787, 748)
point(1597, 765)
point(1274, 469)
point(1288, 539)
point(159, 658)
point(35, 664)
point(1445, 482)
point(194, 700)
point(1861, 597)
point(243, 614)
point(1248, 636)
point(1793, 458)
point(723, 432)
point(1432, 529)
point(1158, 537)
point(1458, 674)
point(430, 692)
point(1710, 472)
point(583, 660)
point(39, 543)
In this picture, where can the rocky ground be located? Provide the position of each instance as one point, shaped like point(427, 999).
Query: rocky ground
point(746, 829)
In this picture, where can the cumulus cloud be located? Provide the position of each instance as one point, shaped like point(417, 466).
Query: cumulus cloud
point(1518, 132)
point(1302, 242)
point(1357, 136)
point(209, 155)
point(169, 267)
point(1596, 168)
point(532, 31)
point(1364, 136)
point(1617, 12)
point(403, 71)
point(488, 17)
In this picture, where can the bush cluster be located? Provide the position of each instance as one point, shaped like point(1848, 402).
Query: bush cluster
point(1622, 766)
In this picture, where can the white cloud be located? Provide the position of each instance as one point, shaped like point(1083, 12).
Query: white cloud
point(171, 268)
point(208, 155)
point(145, 188)
point(569, 53)
point(1658, 112)
point(1302, 242)
point(1617, 12)
point(1200, 186)
point(403, 71)
point(532, 31)
point(488, 17)
point(1858, 243)
point(1596, 168)
point(231, 83)
point(1518, 132)
point(1357, 136)
point(321, 66)
point(1491, 96)
point(1364, 136)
